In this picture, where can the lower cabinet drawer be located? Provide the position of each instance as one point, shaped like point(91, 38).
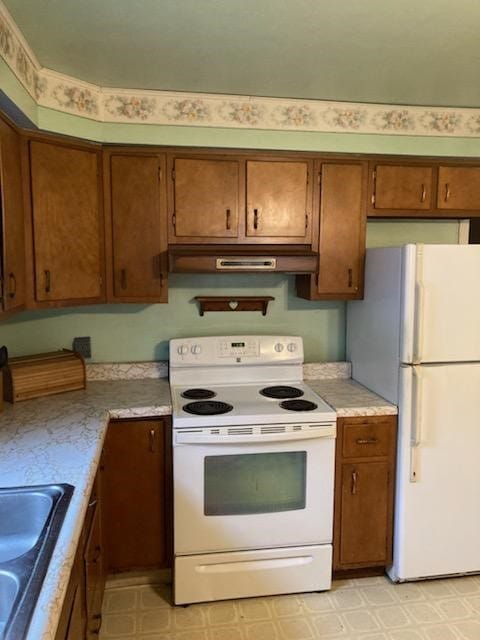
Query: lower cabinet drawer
point(367, 440)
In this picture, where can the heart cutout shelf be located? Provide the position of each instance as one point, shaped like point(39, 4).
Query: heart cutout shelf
point(233, 303)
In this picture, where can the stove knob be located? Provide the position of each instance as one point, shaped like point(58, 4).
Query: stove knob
point(196, 349)
point(182, 349)
point(278, 347)
point(292, 347)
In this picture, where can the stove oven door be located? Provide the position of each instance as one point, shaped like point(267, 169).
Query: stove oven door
point(253, 487)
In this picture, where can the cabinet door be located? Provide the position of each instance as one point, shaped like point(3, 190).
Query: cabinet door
point(364, 513)
point(459, 188)
point(342, 230)
point(206, 198)
point(136, 228)
point(278, 200)
point(67, 224)
point(402, 187)
point(136, 495)
point(13, 229)
point(71, 624)
point(94, 575)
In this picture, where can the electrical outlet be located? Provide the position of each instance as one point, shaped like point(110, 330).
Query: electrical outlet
point(83, 346)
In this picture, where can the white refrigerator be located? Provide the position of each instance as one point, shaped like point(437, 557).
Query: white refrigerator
point(415, 340)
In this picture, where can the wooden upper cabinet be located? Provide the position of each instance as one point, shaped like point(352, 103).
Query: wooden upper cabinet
point(342, 230)
point(205, 198)
point(424, 191)
point(12, 263)
point(341, 233)
point(233, 199)
point(278, 200)
point(459, 188)
point(136, 227)
point(403, 188)
point(67, 223)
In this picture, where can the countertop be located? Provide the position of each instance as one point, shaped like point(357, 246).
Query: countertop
point(59, 439)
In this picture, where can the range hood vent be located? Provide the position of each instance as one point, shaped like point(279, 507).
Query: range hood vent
point(242, 259)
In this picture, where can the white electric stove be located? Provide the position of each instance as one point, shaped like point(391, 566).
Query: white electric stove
point(253, 470)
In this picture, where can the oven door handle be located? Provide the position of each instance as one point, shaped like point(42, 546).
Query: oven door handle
point(329, 431)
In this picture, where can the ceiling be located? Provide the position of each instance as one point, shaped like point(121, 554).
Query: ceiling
point(385, 51)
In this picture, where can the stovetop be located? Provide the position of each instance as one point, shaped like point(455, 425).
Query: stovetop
point(249, 405)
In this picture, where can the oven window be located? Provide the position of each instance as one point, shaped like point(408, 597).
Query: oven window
point(255, 483)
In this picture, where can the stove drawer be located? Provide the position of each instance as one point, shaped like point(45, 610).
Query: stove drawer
point(246, 574)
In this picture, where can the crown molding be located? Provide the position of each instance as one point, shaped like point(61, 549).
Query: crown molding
point(64, 93)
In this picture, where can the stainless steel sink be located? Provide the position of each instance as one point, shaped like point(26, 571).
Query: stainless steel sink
point(30, 521)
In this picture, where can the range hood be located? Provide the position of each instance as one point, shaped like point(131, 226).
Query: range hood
point(242, 258)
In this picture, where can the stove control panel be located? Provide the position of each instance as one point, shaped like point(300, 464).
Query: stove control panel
point(236, 350)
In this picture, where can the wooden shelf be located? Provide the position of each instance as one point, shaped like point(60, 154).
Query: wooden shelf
point(233, 303)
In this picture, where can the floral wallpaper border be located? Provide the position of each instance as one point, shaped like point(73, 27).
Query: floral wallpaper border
point(69, 95)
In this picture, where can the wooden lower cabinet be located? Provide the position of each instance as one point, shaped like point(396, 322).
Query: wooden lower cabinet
point(137, 495)
point(364, 486)
point(80, 618)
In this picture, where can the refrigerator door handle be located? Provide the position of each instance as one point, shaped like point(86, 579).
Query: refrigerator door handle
point(416, 431)
point(419, 322)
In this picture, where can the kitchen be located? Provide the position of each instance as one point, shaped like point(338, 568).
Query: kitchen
point(135, 333)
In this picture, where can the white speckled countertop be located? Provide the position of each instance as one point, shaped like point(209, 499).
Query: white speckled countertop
point(349, 398)
point(59, 439)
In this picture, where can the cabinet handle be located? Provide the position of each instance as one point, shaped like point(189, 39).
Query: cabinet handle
point(350, 278)
point(255, 218)
point(92, 503)
point(354, 482)
point(123, 278)
point(47, 281)
point(227, 219)
point(367, 440)
point(424, 193)
point(12, 285)
point(98, 553)
point(447, 192)
point(151, 439)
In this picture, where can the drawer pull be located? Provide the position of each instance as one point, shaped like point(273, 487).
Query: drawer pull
point(255, 219)
point(151, 440)
point(13, 285)
point(227, 221)
point(97, 554)
point(367, 440)
point(48, 281)
point(123, 278)
point(350, 278)
point(447, 192)
point(354, 482)
point(424, 194)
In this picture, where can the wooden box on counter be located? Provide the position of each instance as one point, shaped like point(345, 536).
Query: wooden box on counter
point(43, 374)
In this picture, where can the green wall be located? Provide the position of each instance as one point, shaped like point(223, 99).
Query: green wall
point(122, 333)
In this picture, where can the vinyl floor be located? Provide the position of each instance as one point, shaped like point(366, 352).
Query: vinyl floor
point(360, 609)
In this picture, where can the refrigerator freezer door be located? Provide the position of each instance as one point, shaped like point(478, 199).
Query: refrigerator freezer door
point(437, 514)
point(447, 309)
